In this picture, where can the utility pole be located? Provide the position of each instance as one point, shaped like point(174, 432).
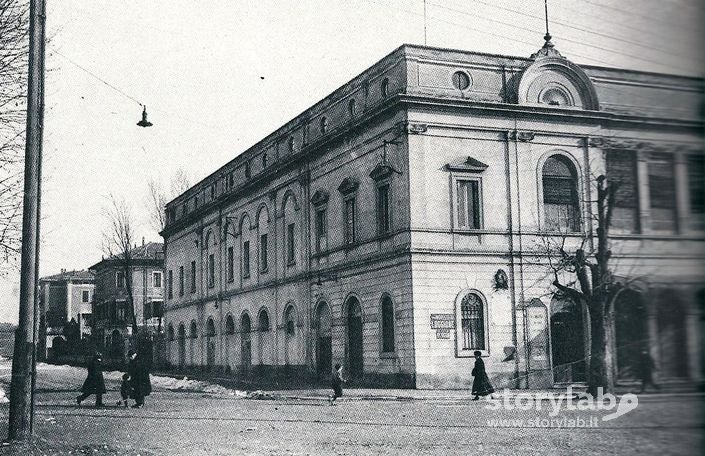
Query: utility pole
point(21, 416)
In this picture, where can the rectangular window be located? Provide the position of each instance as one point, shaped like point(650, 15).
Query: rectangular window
point(468, 204)
point(170, 284)
point(193, 277)
point(246, 259)
point(85, 296)
point(181, 280)
point(621, 171)
point(231, 264)
point(662, 192)
point(120, 279)
point(157, 309)
point(211, 270)
point(383, 221)
point(157, 279)
point(263, 260)
point(120, 307)
point(321, 229)
point(349, 221)
point(290, 244)
point(696, 186)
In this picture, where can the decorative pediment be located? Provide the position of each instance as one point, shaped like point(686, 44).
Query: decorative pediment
point(381, 171)
point(320, 197)
point(553, 80)
point(348, 186)
point(469, 165)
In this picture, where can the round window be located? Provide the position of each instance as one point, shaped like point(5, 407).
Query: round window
point(461, 80)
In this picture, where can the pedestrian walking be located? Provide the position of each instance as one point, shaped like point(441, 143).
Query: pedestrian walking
point(125, 390)
point(139, 378)
point(337, 381)
point(645, 370)
point(481, 385)
point(94, 383)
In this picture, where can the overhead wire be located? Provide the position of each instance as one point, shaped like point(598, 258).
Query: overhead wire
point(578, 28)
point(475, 14)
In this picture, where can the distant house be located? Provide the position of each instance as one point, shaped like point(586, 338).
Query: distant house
point(111, 307)
point(66, 309)
point(7, 339)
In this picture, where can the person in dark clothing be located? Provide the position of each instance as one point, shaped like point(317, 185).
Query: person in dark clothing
point(481, 386)
point(337, 384)
point(94, 383)
point(645, 370)
point(139, 379)
point(125, 390)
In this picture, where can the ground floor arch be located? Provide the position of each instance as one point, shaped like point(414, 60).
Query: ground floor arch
point(324, 341)
point(354, 346)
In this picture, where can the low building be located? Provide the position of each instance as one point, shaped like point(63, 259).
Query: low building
point(113, 328)
point(398, 225)
point(65, 299)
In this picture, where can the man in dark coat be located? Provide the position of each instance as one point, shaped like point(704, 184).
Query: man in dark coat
point(139, 378)
point(645, 370)
point(94, 383)
point(481, 386)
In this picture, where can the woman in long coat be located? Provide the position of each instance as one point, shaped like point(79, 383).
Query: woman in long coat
point(481, 386)
point(94, 383)
point(139, 378)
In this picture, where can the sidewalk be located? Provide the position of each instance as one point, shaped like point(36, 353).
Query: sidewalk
point(369, 394)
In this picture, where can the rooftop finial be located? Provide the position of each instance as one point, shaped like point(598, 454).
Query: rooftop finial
point(547, 50)
point(547, 36)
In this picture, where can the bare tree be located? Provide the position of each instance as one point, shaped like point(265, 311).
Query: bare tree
point(14, 51)
point(593, 284)
point(159, 196)
point(118, 244)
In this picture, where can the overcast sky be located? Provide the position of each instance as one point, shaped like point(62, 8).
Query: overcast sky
point(218, 75)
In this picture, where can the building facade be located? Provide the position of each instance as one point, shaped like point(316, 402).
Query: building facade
point(401, 223)
point(111, 310)
point(65, 298)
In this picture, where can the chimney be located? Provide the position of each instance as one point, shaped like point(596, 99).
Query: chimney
point(142, 241)
point(63, 270)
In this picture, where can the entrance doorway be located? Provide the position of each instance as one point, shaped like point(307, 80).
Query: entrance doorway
point(324, 344)
point(210, 344)
point(182, 346)
point(567, 341)
point(673, 346)
point(631, 332)
point(245, 344)
point(355, 353)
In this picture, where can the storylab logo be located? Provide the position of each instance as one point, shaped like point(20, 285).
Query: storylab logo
point(569, 402)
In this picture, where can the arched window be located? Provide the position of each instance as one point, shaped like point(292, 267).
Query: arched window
point(352, 108)
point(182, 331)
point(324, 125)
point(170, 332)
point(210, 328)
point(290, 321)
point(245, 325)
point(560, 195)
point(471, 323)
point(385, 88)
point(387, 325)
point(194, 330)
point(229, 325)
point(263, 320)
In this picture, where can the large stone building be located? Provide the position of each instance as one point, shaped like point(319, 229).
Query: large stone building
point(400, 224)
point(66, 305)
point(111, 312)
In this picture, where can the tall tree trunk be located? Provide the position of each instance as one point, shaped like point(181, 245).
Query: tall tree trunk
point(600, 372)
